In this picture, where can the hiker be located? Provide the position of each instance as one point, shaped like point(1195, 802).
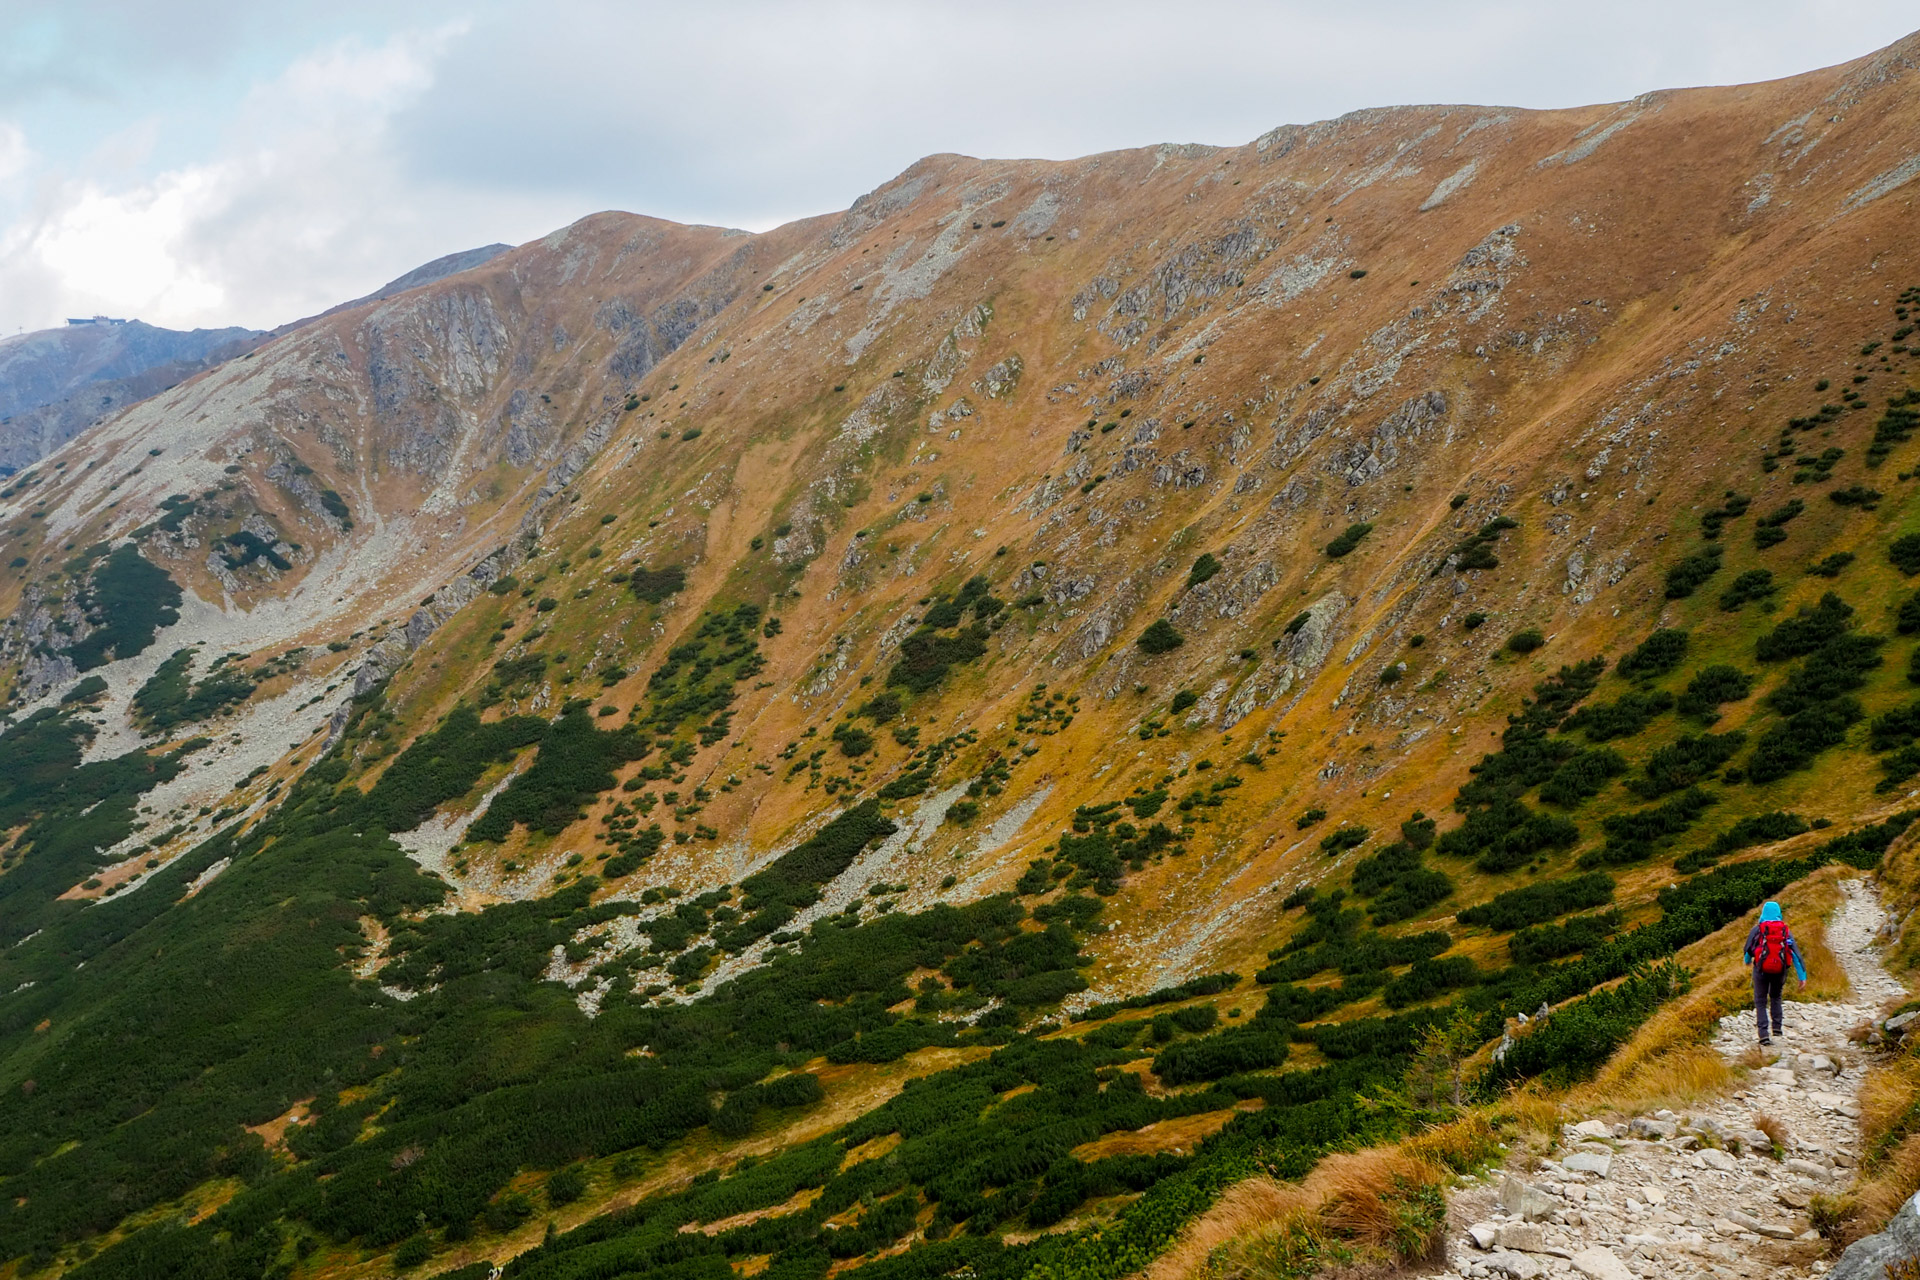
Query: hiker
point(1770, 945)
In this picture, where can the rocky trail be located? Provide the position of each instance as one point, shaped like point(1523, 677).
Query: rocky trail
point(1704, 1192)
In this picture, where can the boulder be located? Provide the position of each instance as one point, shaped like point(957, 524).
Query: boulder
point(1523, 1236)
point(1591, 1129)
point(1523, 1201)
point(1806, 1169)
point(1644, 1127)
point(1747, 1222)
point(1589, 1162)
point(1483, 1235)
point(1515, 1266)
point(1600, 1264)
point(1710, 1158)
point(1867, 1258)
point(1793, 1197)
point(1900, 1022)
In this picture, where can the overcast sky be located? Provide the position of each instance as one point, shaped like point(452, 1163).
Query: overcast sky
point(213, 162)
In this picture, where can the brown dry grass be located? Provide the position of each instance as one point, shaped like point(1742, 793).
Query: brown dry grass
point(1774, 1127)
point(1356, 1207)
point(1888, 1098)
point(1182, 1134)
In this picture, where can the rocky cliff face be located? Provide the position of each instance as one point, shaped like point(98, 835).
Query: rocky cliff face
point(56, 383)
point(1219, 474)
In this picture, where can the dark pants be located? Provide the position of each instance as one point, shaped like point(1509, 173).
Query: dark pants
point(1766, 993)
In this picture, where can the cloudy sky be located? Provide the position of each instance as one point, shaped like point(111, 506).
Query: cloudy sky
point(212, 162)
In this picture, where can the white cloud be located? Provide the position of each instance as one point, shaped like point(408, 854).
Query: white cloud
point(15, 155)
point(301, 206)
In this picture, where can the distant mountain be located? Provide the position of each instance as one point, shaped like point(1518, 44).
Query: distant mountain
point(55, 383)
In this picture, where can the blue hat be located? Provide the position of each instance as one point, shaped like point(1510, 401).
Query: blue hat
point(1769, 911)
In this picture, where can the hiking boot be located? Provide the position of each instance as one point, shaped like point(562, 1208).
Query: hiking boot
point(1766, 1039)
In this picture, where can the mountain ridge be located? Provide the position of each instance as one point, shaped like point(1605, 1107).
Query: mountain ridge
point(983, 589)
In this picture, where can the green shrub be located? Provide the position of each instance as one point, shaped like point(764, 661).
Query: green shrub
point(1658, 654)
point(413, 1251)
point(575, 762)
point(564, 1186)
point(1770, 530)
point(1692, 572)
point(1790, 747)
point(126, 601)
point(1525, 641)
point(1160, 638)
point(1753, 584)
point(655, 585)
point(1473, 621)
point(1904, 553)
point(1761, 828)
point(1735, 506)
point(1810, 627)
point(1203, 568)
point(1909, 615)
point(1429, 978)
point(1622, 718)
point(1574, 1041)
point(1539, 943)
point(1343, 838)
point(1712, 686)
point(1206, 985)
point(1348, 540)
point(1308, 817)
point(1689, 759)
point(1583, 776)
point(1231, 1052)
point(1537, 903)
point(1476, 551)
point(1896, 426)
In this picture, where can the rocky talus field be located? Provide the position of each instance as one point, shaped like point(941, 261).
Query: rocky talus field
point(1186, 712)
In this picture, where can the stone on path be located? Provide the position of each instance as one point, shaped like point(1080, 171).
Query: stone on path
point(1713, 1158)
point(1523, 1201)
point(1601, 1264)
point(1589, 1162)
point(1518, 1266)
point(1483, 1234)
point(1524, 1236)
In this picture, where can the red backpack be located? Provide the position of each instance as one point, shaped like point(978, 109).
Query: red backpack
point(1772, 949)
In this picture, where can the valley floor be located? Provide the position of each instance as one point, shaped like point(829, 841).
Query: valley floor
point(1699, 1193)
